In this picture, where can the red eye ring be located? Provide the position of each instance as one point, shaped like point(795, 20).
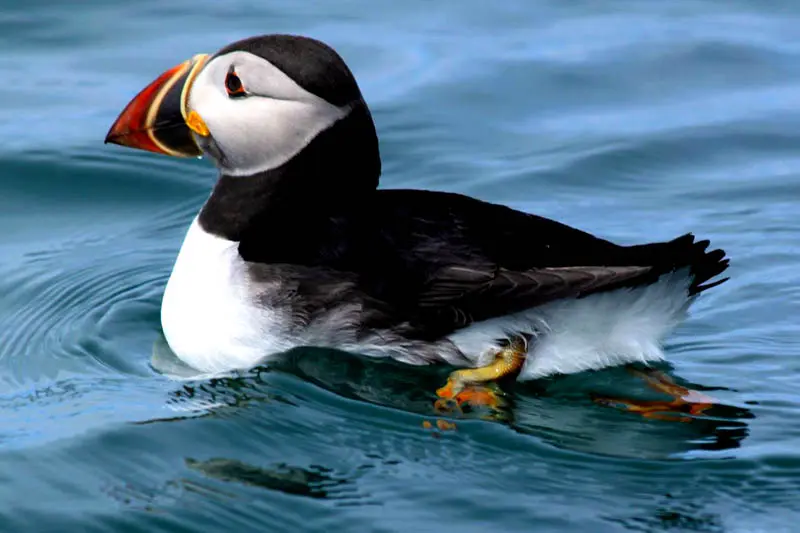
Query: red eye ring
point(233, 85)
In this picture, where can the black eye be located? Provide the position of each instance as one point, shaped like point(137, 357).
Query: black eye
point(234, 85)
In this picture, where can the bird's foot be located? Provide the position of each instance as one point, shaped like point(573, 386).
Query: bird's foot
point(471, 397)
point(477, 387)
point(684, 401)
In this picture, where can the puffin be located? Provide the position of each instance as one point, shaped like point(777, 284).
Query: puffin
point(297, 246)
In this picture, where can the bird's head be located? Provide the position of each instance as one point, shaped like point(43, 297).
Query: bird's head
point(254, 106)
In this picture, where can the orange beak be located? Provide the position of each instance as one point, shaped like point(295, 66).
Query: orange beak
point(156, 119)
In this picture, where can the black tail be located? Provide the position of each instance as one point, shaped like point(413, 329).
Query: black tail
point(681, 253)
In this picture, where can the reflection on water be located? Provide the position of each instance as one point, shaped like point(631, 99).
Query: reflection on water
point(558, 410)
point(313, 482)
point(675, 516)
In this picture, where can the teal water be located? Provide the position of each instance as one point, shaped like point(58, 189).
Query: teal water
point(636, 121)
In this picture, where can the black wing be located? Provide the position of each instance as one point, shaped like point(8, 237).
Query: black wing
point(440, 261)
point(462, 295)
point(484, 260)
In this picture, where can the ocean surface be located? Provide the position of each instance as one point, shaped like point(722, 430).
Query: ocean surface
point(637, 121)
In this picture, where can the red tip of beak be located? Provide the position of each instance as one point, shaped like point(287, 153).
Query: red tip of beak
point(133, 127)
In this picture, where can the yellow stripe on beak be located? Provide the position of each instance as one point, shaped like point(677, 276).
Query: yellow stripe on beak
point(157, 119)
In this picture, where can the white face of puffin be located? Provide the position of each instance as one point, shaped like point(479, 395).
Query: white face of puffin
point(255, 116)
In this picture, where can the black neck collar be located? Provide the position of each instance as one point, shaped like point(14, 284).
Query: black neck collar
point(337, 169)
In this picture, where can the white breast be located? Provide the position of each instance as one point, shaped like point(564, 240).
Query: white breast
point(209, 314)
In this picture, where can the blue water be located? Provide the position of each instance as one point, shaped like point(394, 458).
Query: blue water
point(638, 121)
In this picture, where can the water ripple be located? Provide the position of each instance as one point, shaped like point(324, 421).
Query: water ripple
point(635, 121)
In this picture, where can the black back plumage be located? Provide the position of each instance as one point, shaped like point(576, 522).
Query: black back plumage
point(434, 262)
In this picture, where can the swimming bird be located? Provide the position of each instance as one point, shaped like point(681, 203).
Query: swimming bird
point(297, 246)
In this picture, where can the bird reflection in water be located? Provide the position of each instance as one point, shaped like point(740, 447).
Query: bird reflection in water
point(312, 482)
point(563, 410)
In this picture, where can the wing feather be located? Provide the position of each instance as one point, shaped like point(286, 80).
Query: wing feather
point(462, 295)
